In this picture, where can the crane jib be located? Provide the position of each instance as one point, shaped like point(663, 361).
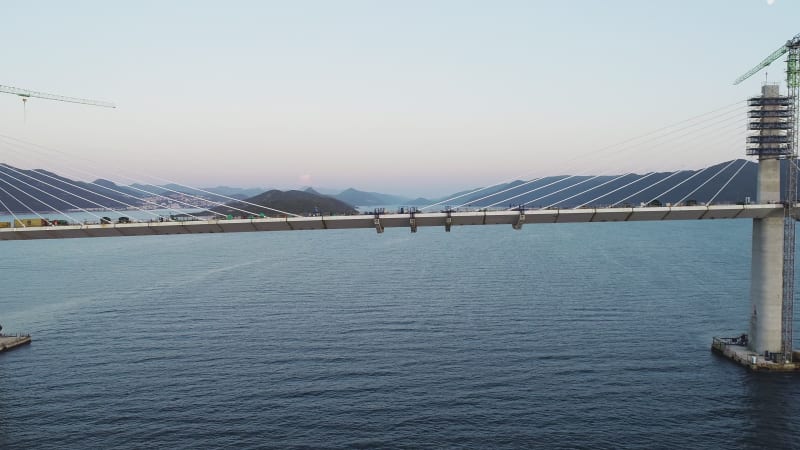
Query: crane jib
point(25, 93)
point(767, 61)
point(791, 44)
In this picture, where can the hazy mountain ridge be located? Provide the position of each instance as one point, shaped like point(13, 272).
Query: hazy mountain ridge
point(226, 191)
point(356, 197)
point(56, 192)
point(295, 202)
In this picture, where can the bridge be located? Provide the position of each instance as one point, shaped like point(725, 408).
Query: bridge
point(773, 139)
point(412, 220)
point(766, 346)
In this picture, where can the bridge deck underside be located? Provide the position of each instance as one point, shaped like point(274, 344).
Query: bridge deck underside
point(398, 221)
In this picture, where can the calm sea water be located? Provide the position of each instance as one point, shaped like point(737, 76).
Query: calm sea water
point(556, 336)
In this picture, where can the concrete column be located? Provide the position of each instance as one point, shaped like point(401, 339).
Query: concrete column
point(769, 181)
point(766, 269)
point(766, 288)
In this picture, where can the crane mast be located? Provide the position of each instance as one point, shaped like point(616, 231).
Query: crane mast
point(792, 47)
point(790, 215)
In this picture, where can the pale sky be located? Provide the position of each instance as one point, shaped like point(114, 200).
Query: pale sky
point(405, 97)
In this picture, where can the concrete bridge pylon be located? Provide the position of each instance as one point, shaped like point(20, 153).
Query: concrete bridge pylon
point(768, 343)
point(766, 286)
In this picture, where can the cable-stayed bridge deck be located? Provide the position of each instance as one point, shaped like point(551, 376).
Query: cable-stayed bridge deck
point(409, 220)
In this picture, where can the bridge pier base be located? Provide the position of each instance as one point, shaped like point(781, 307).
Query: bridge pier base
point(733, 349)
point(762, 348)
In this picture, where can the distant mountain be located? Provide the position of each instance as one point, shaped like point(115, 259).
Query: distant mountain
point(321, 190)
point(362, 198)
point(168, 189)
point(420, 202)
point(455, 198)
point(296, 202)
point(147, 190)
point(123, 190)
point(40, 190)
point(235, 192)
point(238, 196)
